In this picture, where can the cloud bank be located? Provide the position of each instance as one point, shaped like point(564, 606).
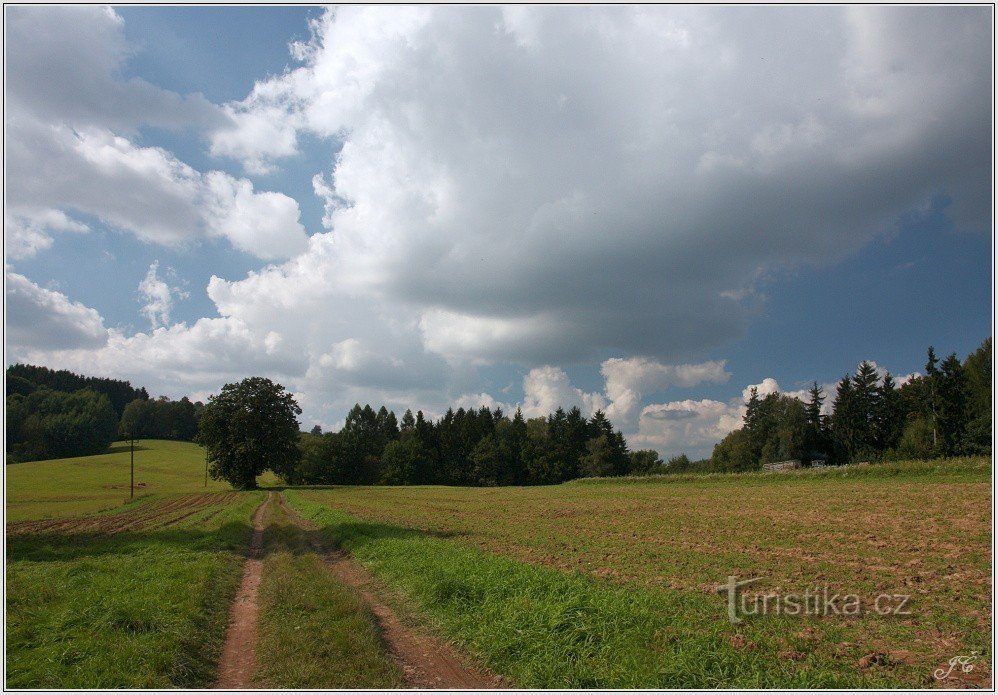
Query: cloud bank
point(529, 187)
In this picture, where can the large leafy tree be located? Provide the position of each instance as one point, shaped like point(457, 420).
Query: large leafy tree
point(248, 428)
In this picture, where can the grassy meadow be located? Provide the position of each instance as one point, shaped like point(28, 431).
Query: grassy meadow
point(139, 607)
point(919, 529)
point(595, 583)
point(71, 487)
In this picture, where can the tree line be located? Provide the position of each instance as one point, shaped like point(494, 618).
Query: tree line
point(946, 412)
point(58, 414)
point(477, 447)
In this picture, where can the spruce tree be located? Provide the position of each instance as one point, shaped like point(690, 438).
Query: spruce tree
point(952, 406)
point(844, 421)
point(889, 418)
point(408, 421)
point(751, 417)
point(932, 379)
point(816, 446)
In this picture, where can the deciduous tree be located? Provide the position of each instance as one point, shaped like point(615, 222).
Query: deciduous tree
point(249, 428)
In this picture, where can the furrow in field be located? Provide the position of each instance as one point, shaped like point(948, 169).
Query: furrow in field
point(160, 513)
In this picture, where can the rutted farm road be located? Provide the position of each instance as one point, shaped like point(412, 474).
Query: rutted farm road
point(424, 660)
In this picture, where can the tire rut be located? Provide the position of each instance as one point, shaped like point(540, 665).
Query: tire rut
point(238, 659)
point(426, 661)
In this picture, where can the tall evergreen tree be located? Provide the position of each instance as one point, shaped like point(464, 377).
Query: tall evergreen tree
point(888, 416)
point(932, 382)
point(751, 417)
point(847, 425)
point(408, 422)
point(977, 372)
point(816, 445)
point(951, 395)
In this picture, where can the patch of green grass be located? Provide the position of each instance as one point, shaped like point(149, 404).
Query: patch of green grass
point(132, 610)
point(60, 488)
point(314, 631)
point(543, 628)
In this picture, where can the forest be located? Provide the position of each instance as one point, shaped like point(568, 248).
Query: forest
point(59, 414)
point(466, 447)
point(945, 412)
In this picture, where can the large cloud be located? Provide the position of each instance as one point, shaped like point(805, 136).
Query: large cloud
point(71, 125)
point(44, 319)
point(552, 184)
point(627, 382)
point(535, 185)
point(63, 64)
point(144, 190)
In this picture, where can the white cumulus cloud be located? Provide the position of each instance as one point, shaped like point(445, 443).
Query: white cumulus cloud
point(545, 184)
point(38, 318)
point(158, 297)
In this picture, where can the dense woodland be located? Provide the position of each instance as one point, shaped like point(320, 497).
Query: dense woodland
point(56, 414)
point(466, 447)
point(946, 412)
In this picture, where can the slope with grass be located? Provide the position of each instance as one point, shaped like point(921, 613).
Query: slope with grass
point(72, 487)
point(581, 584)
point(140, 603)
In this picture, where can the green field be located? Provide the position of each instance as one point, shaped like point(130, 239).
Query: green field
point(587, 584)
point(76, 486)
point(142, 608)
point(918, 529)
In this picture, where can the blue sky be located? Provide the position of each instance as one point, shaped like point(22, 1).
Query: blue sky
point(501, 206)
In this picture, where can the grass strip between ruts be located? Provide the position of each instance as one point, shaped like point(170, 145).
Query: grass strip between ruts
point(314, 631)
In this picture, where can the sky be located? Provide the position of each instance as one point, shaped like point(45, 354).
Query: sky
point(644, 210)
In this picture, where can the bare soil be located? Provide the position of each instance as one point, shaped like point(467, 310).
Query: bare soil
point(238, 660)
point(154, 514)
point(426, 661)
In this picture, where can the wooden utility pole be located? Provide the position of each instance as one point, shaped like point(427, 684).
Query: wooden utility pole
point(206, 466)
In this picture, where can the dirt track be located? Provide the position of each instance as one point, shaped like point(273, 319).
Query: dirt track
point(238, 660)
point(426, 661)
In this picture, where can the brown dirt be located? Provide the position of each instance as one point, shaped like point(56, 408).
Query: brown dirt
point(151, 515)
point(238, 660)
point(426, 661)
